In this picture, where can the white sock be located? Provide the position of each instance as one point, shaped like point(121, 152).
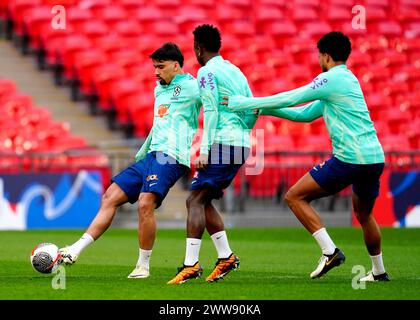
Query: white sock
point(192, 252)
point(324, 241)
point(144, 258)
point(377, 264)
point(221, 243)
point(81, 244)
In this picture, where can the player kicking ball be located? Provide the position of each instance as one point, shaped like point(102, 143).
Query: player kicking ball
point(224, 149)
point(357, 160)
point(162, 160)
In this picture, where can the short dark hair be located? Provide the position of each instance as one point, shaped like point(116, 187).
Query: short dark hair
point(209, 37)
point(336, 44)
point(169, 51)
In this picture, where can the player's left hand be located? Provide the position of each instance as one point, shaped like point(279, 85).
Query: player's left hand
point(202, 161)
point(225, 101)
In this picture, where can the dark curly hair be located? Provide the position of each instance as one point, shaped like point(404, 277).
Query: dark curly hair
point(209, 37)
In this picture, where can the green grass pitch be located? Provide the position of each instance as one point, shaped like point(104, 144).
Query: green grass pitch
point(275, 265)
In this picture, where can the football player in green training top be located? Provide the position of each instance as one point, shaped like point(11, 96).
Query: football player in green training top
point(161, 161)
point(224, 149)
point(358, 158)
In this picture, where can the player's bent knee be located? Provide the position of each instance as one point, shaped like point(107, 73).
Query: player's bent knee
point(109, 199)
point(194, 200)
point(147, 203)
point(290, 198)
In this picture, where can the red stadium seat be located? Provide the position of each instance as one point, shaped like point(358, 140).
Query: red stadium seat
point(407, 15)
point(382, 127)
point(412, 30)
point(372, 43)
point(279, 61)
point(120, 96)
point(16, 105)
point(262, 45)
point(396, 119)
point(85, 63)
point(225, 13)
point(375, 15)
point(95, 6)
point(282, 32)
point(131, 6)
point(167, 4)
point(33, 22)
point(105, 78)
point(315, 29)
point(409, 47)
point(410, 75)
point(337, 15)
point(7, 87)
point(264, 16)
point(376, 102)
point(126, 58)
point(94, 29)
point(17, 10)
point(67, 50)
point(50, 41)
point(77, 16)
point(140, 111)
point(412, 132)
point(242, 29)
point(110, 44)
point(112, 15)
point(395, 143)
point(274, 143)
point(244, 7)
point(147, 15)
point(391, 59)
point(208, 6)
point(274, 4)
point(244, 60)
point(259, 77)
point(411, 103)
point(304, 14)
point(302, 49)
point(297, 131)
point(393, 89)
point(389, 29)
point(189, 17)
point(318, 127)
point(299, 74)
point(379, 74)
point(315, 143)
point(358, 60)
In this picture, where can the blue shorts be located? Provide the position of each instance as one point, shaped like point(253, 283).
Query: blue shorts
point(223, 164)
point(150, 175)
point(334, 175)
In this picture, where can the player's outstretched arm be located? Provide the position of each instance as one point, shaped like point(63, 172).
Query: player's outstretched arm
point(141, 154)
point(319, 89)
point(306, 113)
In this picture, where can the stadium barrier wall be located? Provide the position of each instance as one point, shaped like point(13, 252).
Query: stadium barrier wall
point(50, 191)
point(398, 204)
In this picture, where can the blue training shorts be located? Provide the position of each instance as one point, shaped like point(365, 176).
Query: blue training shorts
point(151, 174)
point(334, 175)
point(223, 164)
